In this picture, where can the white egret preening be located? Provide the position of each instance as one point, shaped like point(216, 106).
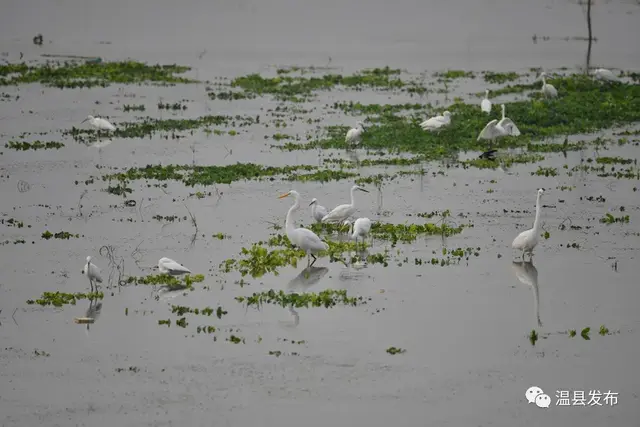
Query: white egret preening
point(527, 240)
point(527, 273)
point(317, 212)
point(171, 267)
point(507, 124)
point(93, 273)
point(496, 129)
point(342, 212)
point(485, 105)
point(548, 90)
point(354, 135)
point(436, 122)
point(99, 123)
point(361, 228)
point(305, 239)
point(605, 75)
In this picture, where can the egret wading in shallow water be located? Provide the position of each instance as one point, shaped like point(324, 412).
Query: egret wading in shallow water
point(354, 135)
point(92, 272)
point(171, 267)
point(485, 105)
point(547, 89)
point(342, 212)
point(100, 124)
point(303, 238)
point(527, 240)
point(605, 75)
point(317, 212)
point(361, 228)
point(437, 122)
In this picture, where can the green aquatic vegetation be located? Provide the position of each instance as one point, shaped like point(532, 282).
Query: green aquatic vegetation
point(230, 95)
point(127, 107)
point(235, 339)
point(533, 337)
point(615, 160)
point(206, 329)
point(12, 222)
point(185, 282)
point(610, 219)
point(182, 322)
point(454, 74)
point(392, 161)
point(165, 322)
point(500, 78)
point(585, 333)
point(396, 350)
point(176, 106)
point(58, 299)
point(357, 108)
point(327, 299)
point(35, 145)
point(258, 261)
point(63, 235)
point(504, 161)
point(545, 171)
point(510, 89)
point(298, 88)
point(603, 330)
point(149, 126)
point(206, 175)
point(221, 236)
point(572, 333)
point(73, 74)
point(181, 310)
point(324, 175)
point(543, 147)
point(119, 190)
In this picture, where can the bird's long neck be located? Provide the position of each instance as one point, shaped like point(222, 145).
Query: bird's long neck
point(353, 197)
point(544, 81)
point(503, 111)
point(536, 222)
point(313, 210)
point(289, 223)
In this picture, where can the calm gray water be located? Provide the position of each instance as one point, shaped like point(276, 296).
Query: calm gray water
point(468, 360)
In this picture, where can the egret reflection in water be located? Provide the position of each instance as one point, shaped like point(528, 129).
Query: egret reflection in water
point(91, 315)
point(307, 277)
point(527, 273)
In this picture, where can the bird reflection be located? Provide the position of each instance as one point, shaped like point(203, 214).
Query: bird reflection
point(92, 313)
point(353, 155)
point(307, 277)
point(527, 273)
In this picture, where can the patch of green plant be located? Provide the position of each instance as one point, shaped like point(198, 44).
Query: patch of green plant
point(392, 161)
point(176, 106)
point(235, 339)
point(615, 160)
point(35, 145)
point(58, 299)
point(533, 337)
point(12, 222)
point(230, 95)
point(610, 219)
point(585, 333)
point(185, 282)
point(327, 299)
point(259, 260)
point(64, 235)
point(500, 78)
point(454, 74)
point(127, 107)
point(299, 88)
point(181, 310)
point(74, 74)
point(221, 236)
point(356, 108)
point(544, 147)
point(545, 171)
point(396, 350)
point(504, 161)
point(572, 333)
point(603, 330)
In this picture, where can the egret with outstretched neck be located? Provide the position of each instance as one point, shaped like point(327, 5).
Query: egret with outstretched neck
point(317, 212)
point(342, 212)
point(527, 240)
point(486, 105)
point(93, 274)
point(548, 90)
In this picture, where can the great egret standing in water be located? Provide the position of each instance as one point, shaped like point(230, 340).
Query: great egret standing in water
point(436, 122)
point(317, 212)
point(485, 105)
point(548, 90)
point(303, 238)
point(92, 272)
point(354, 134)
point(171, 267)
point(605, 75)
point(342, 212)
point(361, 228)
point(527, 240)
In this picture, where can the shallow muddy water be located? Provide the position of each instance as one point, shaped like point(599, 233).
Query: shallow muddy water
point(465, 327)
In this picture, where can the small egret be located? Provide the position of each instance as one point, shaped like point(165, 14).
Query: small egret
point(317, 212)
point(527, 240)
point(305, 239)
point(172, 268)
point(605, 75)
point(342, 212)
point(361, 228)
point(485, 105)
point(99, 123)
point(354, 134)
point(547, 89)
point(436, 122)
point(92, 272)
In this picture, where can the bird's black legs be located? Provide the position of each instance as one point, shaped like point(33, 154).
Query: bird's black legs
point(314, 260)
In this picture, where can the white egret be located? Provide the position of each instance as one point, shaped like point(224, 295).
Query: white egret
point(305, 239)
point(436, 122)
point(496, 129)
point(361, 228)
point(354, 134)
point(527, 240)
point(605, 75)
point(317, 212)
point(99, 123)
point(342, 212)
point(507, 124)
point(547, 89)
point(485, 105)
point(171, 267)
point(92, 272)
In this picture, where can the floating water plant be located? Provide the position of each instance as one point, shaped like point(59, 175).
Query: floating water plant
point(327, 298)
point(35, 145)
point(58, 299)
point(63, 235)
point(185, 282)
point(396, 350)
point(610, 219)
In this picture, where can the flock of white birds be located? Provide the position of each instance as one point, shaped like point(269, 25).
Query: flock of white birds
point(312, 244)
